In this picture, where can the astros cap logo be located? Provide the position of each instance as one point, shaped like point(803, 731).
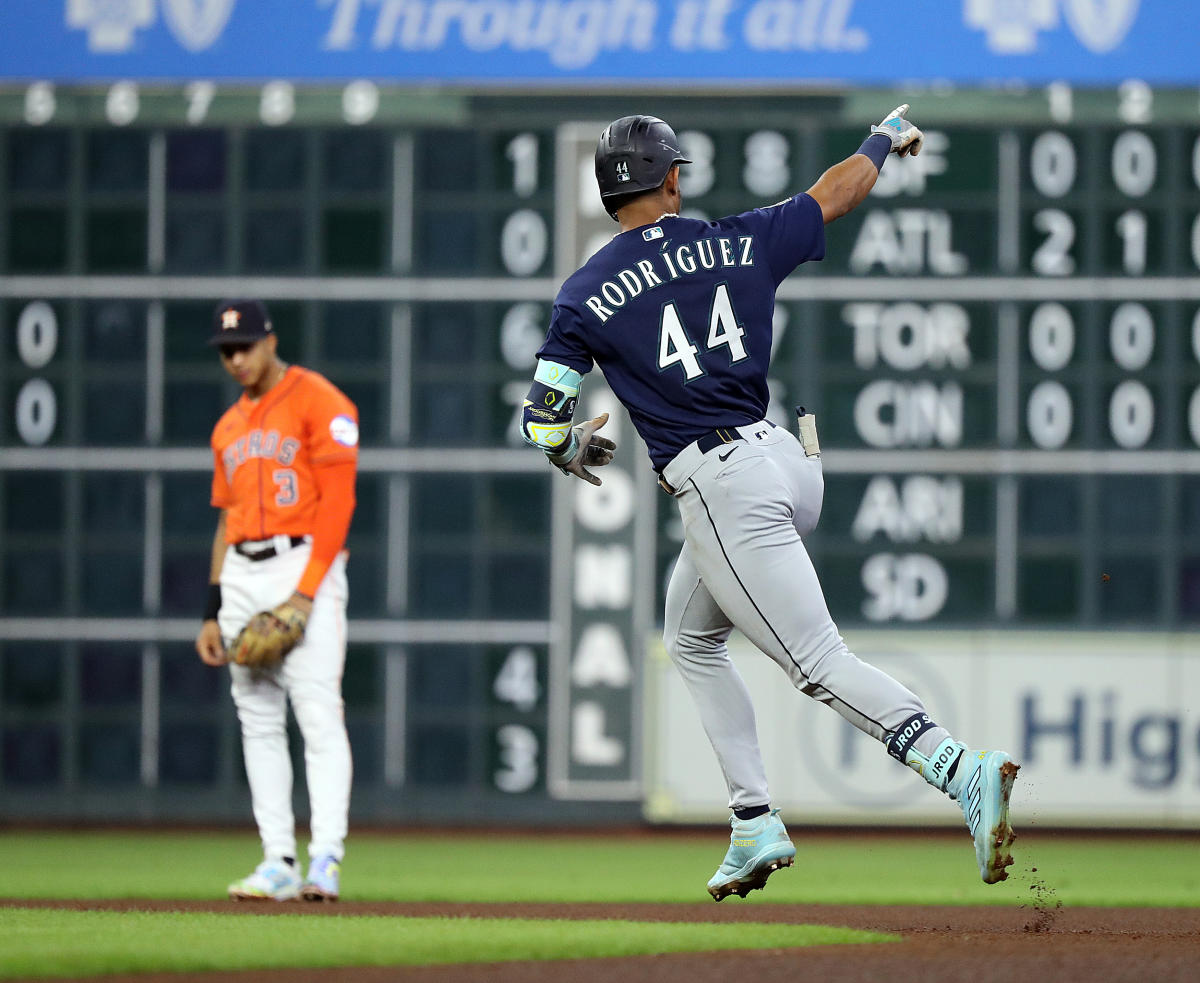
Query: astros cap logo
point(230, 319)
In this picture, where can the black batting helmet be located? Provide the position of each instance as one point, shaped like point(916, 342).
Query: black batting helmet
point(634, 154)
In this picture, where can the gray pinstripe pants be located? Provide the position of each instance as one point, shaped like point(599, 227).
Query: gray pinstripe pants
point(744, 564)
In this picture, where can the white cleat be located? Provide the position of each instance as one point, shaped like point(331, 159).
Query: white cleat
point(272, 880)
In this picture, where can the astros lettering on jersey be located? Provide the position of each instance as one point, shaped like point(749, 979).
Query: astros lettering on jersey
point(265, 452)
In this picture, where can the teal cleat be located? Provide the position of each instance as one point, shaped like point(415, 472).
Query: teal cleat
point(321, 884)
point(983, 786)
point(272, 880)
point(757, 848)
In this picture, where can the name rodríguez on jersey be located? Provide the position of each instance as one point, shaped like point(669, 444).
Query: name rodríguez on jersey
point(701, 255)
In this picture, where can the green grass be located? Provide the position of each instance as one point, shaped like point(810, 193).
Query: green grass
point(506, 868)
point(502, 867)
point(56, 943)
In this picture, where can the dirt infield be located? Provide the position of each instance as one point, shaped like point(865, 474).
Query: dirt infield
point(1037, 943)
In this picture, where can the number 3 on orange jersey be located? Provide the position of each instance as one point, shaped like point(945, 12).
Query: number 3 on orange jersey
point(285, 483)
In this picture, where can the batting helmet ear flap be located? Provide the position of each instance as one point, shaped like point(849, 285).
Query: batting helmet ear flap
point(634, 154)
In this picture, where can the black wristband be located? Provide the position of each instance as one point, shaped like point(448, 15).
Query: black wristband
point(213, 604)
point(877, 147)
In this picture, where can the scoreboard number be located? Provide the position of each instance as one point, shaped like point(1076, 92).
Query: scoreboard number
point(1049, 415)
point(37, 342)
point(1051, 336)
point(1134, 163)
point(1131, 336)
point(524, 242)
point(1053, 257)
point(122, 103)
point(766, 172)
point(1052, 164)
point(277, 104)
point(700, 175)
point(199, 97)
point(1131, 227)
point(1131, 414)
point(517, 680)
point(41, 104)
point(522, 150)
point(360, 102)
point(518, 750)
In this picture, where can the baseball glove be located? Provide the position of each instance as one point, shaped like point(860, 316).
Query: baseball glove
point(269, 636)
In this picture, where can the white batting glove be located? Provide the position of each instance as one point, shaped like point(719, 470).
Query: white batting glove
point(906, 137)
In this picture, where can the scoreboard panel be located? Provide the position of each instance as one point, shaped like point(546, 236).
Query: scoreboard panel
point(1002, 348)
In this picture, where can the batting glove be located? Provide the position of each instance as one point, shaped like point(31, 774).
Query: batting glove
point(906, 137)
point(585, 448)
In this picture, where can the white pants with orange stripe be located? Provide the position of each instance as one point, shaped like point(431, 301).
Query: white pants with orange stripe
point(310, 678)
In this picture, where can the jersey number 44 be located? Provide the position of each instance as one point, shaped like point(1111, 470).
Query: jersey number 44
point(675, 346)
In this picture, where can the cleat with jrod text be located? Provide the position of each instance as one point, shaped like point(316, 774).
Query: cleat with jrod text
point(757, 848)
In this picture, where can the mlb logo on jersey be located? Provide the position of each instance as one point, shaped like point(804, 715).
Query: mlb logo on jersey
point(651, 234)
point(344, 430)
point(622, 171)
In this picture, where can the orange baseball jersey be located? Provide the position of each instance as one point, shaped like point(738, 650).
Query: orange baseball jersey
point(265, 453)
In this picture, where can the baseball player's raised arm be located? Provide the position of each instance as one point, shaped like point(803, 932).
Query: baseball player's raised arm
point(843, 187)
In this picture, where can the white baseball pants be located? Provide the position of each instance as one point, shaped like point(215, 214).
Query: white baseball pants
point(311, 678)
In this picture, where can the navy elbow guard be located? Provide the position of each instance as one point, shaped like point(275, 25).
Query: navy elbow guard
point(550, 406)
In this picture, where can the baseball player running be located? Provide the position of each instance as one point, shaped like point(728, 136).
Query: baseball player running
point(677, 312)
point(284, 462)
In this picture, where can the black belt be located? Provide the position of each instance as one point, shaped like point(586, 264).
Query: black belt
point(722, 435)
point(265, 552)
point(714, 438)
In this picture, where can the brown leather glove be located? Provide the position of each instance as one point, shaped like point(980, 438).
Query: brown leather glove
point(270, 635)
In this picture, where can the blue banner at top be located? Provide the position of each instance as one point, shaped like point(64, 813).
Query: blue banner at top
point(783, 42)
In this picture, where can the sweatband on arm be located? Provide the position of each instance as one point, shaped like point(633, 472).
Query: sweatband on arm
point(212, 604)
point(876, 147)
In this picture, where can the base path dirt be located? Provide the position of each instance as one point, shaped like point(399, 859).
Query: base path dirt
point(1029, 944)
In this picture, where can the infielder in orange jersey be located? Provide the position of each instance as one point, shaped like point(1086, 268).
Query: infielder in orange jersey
point(284, 462)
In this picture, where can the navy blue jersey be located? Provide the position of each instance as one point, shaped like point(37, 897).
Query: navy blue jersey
point(678, 316)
